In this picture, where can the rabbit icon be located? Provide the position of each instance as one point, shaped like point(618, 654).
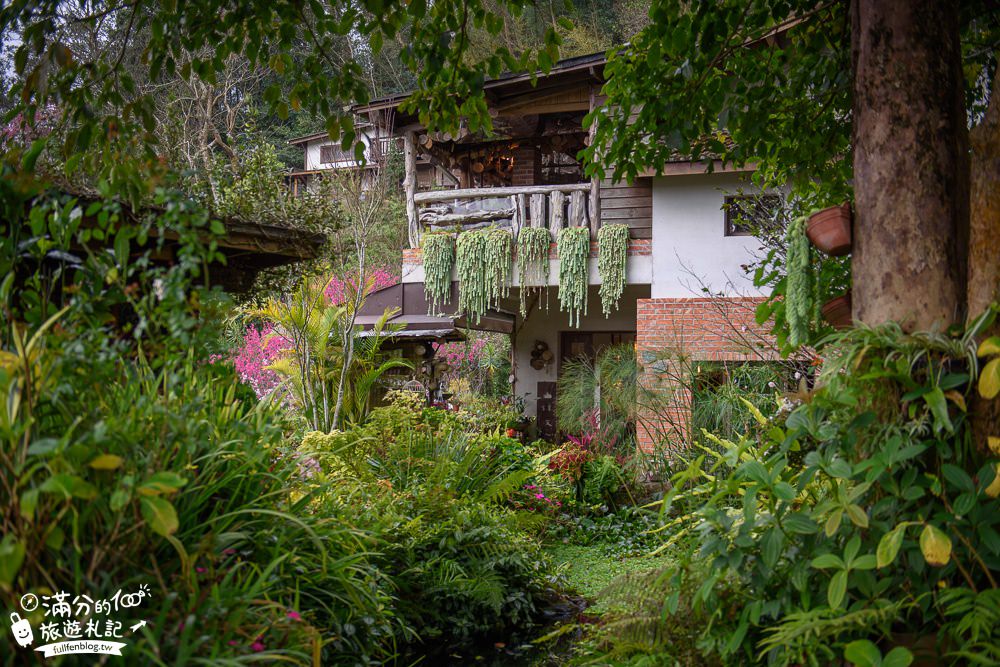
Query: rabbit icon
point(21, 629)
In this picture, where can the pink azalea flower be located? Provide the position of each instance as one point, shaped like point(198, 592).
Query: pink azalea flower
point(294, 615)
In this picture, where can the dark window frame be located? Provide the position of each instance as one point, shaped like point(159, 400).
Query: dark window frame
point(731, 207)
point(332, 154)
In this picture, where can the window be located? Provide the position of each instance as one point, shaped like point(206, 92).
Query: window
point(331, 153)
point(746, 214)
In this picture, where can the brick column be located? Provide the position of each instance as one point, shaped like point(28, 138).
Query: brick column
point(674, 334)
point(527, 166)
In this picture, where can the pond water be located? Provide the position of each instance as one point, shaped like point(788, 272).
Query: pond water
point(519, 648)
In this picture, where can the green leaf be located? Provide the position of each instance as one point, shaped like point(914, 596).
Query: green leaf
point(106, 462)
point(833, 523)
point(800, 522)
point(935, 545)
point(784, 491)
point(866, 562)
point(771, 548)
point(11, 558)
point(863, 653)
point(159, 514)
point(898, 657)
point(888, 546)
point(827, 561)
point(936, 401)
point(989, 379)
point(958, 477)
point(858, 516)
point(70, 486)
point(29, 501)
point(839, 468)
point(43, 446)
point(161, 482)
point(989, 347)
point(119, 499)
point(837, 589)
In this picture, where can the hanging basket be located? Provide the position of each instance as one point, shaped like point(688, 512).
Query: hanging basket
point(838, 311)
point(830, 230)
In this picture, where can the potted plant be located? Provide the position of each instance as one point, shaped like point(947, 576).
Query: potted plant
point(830, 230)
point(837, 311)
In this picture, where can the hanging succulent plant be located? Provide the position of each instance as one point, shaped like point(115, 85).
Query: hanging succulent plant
point(483, 261)
point(799, 297)
point(612, 246)
point(574, 250)
point(439, 258)
point(532, 262)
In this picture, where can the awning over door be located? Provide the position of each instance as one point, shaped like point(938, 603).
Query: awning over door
point(409, 299)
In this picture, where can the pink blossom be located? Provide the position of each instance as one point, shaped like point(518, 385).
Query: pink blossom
point(339, 290)
point(294, 615)
point(257, 646)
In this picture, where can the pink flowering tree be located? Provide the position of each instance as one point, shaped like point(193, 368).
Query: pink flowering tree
point(263, 345)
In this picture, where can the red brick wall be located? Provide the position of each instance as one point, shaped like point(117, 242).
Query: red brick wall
point(671, 334)
point(527, 166)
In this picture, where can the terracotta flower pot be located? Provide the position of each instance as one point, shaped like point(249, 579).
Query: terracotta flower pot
point(838, 311)
point(830, 230)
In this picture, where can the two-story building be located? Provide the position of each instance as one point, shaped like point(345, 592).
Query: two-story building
point(683, 237)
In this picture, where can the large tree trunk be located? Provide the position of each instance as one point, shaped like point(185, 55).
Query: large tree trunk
point(984, 246)
point(911, 169)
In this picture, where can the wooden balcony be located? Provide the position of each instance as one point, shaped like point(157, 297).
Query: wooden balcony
point(551, 207)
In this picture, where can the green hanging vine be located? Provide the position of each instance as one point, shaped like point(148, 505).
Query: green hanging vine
point(439, 258)
point(612, 245)
point(483, 260)
point(799, 296)
point(532, 262)
point(574, 250)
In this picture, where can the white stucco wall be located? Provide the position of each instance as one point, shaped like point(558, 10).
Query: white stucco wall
point(690, 248)
point(547, 326)
point(312, 153)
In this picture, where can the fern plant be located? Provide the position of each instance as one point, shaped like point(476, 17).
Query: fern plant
point(532, 262)
point(439, 259)
point(574, 251)
point(612, 258)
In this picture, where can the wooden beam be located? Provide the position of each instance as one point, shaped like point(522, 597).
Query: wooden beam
point(410, 187)
point(557, 212)
point(538, 210)
point(487, 193)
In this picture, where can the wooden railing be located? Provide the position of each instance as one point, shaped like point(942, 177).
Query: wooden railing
point(549, 207)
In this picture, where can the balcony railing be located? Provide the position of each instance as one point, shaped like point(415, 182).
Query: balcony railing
point(549, 207)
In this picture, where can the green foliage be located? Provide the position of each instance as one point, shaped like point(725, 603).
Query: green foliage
point(612, 377)
point(574, 252)
point(612, 244)
point(129, 458)
point(313, 362)
point(439, 259)
point(800, 302)
point(433, 494)
point(532, 263)
point(863, 512)
point(724, 395)
point(483, 259)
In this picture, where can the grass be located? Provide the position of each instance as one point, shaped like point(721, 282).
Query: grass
point(589, 569)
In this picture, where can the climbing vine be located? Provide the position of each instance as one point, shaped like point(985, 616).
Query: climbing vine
point(574, 250)
point(439, 258)
point(483, 258)
point(612, 245)
point(799, 296)
point(532, 262)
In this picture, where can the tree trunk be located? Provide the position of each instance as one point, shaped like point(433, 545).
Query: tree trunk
point(984, 248)
point(911, 168)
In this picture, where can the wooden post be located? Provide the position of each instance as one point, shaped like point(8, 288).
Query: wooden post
point(522, 208)
point(516, 222)
point(538, 211)
point(557, 212)
point(410, 187)
point(577, 210)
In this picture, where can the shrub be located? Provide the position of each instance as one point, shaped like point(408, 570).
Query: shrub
point(864, 512)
